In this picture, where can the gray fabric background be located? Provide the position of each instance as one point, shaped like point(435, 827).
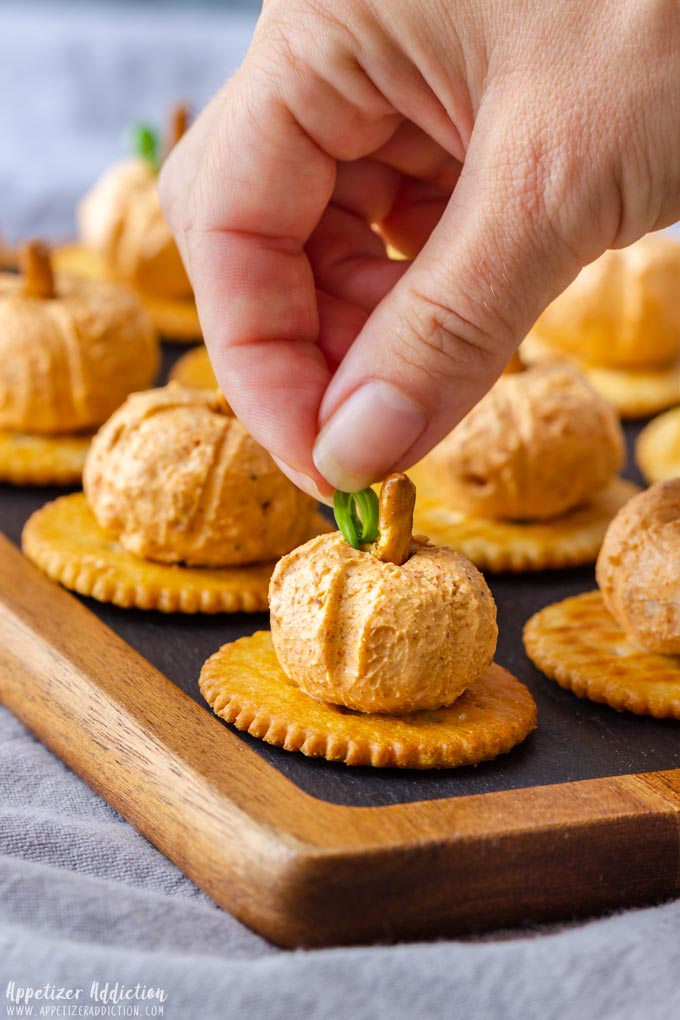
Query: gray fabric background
point(83, 897)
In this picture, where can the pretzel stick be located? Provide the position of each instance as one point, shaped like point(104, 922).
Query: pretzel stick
point(395, 520)
point(36, 269)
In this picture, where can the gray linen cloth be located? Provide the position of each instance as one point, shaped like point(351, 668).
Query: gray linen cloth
point(83, 897)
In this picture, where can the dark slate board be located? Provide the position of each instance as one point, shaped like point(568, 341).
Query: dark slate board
point(575, 739)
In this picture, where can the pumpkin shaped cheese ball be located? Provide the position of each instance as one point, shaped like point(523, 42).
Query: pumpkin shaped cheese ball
point(124, 235)
point(539, 444)
point(121, 218)
point(380, 651)
point(528, 478)
point(620, 319)
point(176, 477)
point(620, 645)
point(622, 310)
point(71, 350)
point(182, 510)
point(638, 569)
point(375, 635)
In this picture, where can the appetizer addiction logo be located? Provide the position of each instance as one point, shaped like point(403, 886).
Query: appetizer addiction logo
point(101, 999)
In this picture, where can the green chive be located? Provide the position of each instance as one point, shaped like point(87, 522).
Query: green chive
point(145, 143)
point(356, 514)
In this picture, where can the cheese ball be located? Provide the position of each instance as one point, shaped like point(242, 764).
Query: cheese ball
point(540, 443)
point(121, 218)
point(69, 360)
point(353, 630)
point(177, 479)
point(621, 311)
point(638, 569)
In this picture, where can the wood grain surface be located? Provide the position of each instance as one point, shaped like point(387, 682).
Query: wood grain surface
point(300, 870)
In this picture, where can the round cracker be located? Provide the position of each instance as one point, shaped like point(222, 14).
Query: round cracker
point(635, 393)
point(64, 540)
point(29, 459)
point(80, 261)
point(175, 319)
point(657, 450)
point(245, 685)
point(572, 539)
point(580, 645)
point(193, 369)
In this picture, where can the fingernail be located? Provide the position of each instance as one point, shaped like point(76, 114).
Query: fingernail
point(367, 435)
point(302, 481)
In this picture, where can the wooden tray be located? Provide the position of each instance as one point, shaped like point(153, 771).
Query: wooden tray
point(576, 820)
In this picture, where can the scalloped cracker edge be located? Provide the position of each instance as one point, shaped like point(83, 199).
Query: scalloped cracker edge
point(31, 459)
point(572, 539)
point(245, 685)
point(64, 540)
point(579, 644)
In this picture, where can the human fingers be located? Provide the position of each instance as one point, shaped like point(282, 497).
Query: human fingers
point(258, 191)
point(442, 335)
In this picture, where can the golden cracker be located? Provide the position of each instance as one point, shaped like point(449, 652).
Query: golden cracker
point(657, 450)
point(579, 644)
point(80, 261)
point(245, 685)
point(175, 319)
point(193, 369)
point(30, 459)
point(635, 393)
point(64, 540)
point(518, 546)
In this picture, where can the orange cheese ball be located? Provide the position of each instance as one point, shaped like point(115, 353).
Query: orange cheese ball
point(68, 361)
point(353, 630)
point(621, 311)
point(538, 444)
point(121, 218)
point(638, 569)
point(176, 478)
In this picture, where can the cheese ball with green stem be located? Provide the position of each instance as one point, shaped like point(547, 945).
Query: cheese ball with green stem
point(394, 626)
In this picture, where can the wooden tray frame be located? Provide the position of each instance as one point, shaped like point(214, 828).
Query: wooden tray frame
point(302, 871)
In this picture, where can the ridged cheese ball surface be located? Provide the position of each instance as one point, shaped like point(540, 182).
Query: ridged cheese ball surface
point(353, 630)
point(621, 311)
point(179, 480)
point(121, 218)
point(638, 569)
point(67, 362)
point(538, 444)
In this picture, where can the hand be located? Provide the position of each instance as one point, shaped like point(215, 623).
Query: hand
point(500, 146)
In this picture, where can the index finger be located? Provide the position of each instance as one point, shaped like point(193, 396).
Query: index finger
point(259, 191)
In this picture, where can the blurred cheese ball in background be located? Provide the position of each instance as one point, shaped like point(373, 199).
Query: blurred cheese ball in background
point(538, 444)
point(621, 311)
point(638, 569)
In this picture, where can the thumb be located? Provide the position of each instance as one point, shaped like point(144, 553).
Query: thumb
point(441, 337)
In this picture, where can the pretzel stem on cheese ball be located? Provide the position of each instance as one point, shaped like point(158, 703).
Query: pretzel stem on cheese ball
point(177, 127)
point(395, 519)
point(36, 269)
